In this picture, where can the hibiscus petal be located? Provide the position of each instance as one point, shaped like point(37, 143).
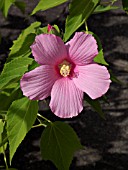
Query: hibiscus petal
point(82, 48)
point(93, 79)
point(66, 98)
point(37, 84)
point(48, 49)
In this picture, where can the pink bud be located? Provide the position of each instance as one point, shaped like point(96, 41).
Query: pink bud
point(50, 28)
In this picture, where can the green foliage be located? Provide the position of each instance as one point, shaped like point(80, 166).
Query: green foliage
point(14, 69)
point(100, 57)
point(7, 99)
point(20, 118)
point(1, 131)
point(102, 8)
point(21, 5)
point(44, 30)
point(95, 104)
point(6, 4)
point(3, 136)
point(55, 30)
point(47, 4)
point(58, 144)
point(4, 140)
point(125, 5)
point(21, 46)
point(11, 86)
point(114, 78)
point(33, 65)
point(41, 30)
point(79, 12)
point(24, 50)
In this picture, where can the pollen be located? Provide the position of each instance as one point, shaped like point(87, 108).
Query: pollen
point(65, 68)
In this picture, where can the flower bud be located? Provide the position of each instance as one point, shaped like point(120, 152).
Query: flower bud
point(52, 30)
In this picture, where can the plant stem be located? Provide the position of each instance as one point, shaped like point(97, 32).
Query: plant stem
point(113, 1)
point(5, 160)
point(105, 3)
point(86, 27)
point(44, 118)
point(108, 3)
point(39, 125)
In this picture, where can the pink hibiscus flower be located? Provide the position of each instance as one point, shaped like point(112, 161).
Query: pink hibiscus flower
point(66, 71)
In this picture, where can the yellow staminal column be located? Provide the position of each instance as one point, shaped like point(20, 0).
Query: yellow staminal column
point(65, 68)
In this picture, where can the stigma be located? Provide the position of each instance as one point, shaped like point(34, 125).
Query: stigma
point(65, 68)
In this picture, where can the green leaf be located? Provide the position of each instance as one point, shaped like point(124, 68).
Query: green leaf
point(4, 137)
point(79, 12)
point(11, 86)
point(114, 78)
point(14, 69)
point(46, 4)
point(42, 30)
point(1, 131)
point(95, 105)
point(20, 118)
point(1, 4)
point(33, 65)
point(21, 5)
point(6, 101)
point(101, 8)
point(58, 144)
point(21, 46)
point(125, 5)
point(24, 51)
point(3, 143)
point(57, 28)
point(100, 57)
point(2, 116)
point(1, 126)
point(5, 5)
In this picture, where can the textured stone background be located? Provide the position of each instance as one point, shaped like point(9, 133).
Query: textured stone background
point(105, 141)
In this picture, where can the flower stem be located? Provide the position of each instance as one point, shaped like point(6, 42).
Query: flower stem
point(44, 118)
point(5, 160)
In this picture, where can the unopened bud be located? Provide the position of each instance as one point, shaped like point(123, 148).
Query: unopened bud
point(52, 30)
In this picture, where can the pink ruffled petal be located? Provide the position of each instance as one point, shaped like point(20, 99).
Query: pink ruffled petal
point(66, 98)
point(37, 84)
point(93, 79)
point(48, 49)
point(82, 48)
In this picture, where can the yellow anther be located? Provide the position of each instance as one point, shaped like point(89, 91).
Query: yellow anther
point(65, 68)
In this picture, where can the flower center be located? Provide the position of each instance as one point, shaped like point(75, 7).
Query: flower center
point(65, 68)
